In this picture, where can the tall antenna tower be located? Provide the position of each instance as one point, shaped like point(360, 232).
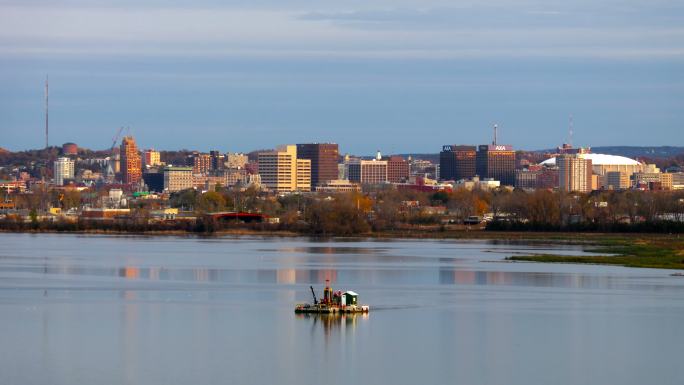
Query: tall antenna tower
point(47, 95)
point(496, 128)
point(570, 130)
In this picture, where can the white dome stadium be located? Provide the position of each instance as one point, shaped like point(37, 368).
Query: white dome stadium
point(600, 160)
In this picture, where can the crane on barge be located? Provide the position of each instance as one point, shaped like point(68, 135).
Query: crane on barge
point(332, 302)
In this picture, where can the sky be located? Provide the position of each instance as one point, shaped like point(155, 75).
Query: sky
point(400, 76)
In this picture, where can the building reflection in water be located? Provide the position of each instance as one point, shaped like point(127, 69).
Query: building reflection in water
point(450, 276)
point(449, 272)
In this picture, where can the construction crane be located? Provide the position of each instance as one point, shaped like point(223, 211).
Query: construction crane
point(116, 138)
point(314, 295)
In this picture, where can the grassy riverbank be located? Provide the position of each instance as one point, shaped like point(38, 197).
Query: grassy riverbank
point(651, 251)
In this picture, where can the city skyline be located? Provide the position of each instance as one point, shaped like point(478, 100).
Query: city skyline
point(403, 76)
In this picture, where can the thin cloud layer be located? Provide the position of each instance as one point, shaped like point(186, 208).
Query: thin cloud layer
point(496, 29)
point(402, 75)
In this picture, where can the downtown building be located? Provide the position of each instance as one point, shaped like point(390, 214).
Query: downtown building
point(495, 161)
point(177, 178)
point(216, 159)
point(152, 158)
point(617, 180)
point(324, 158)
point(201, 163)
point(574, 172)
point(398, 169)
point(235, 161)
point(63, 169)
point(131, 162)
point(536, 177)
point(282, 171)
point(367, 171)
point(457, 162)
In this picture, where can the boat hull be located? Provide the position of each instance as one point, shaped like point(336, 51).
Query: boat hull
point(325, 309)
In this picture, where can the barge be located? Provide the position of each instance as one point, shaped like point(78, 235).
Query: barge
point(332, 302)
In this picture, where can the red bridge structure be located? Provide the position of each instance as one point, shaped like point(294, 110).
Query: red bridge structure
point(239, 216)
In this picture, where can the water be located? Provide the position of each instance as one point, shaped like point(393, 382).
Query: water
point(175, 310)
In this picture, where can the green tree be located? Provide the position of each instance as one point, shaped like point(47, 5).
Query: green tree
point(211, 201)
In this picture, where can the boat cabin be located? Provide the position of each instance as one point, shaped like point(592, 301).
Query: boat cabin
point(349, 298)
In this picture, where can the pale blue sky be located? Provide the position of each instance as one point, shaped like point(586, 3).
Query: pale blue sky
point(400, 76)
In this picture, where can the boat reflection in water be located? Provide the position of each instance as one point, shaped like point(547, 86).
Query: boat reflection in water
point(334, 323)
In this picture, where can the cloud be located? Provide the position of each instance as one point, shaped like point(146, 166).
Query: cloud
point(498, 29)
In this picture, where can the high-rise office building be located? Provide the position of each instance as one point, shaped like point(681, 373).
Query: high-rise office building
point(281, 171)
point(201, 163)
point(152, 158)
point(397, 169)
point(495, 161)
point(131, 167)
point(457, 162)
point(367, 171)
point(216, 160)
point(303, 175)
point(324, 158)
point(63, 169)
point(574, 172)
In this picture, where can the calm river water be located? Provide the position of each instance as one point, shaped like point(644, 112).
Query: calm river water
point(182, 310)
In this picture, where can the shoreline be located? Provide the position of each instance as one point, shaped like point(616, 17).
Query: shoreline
point(588, 238)
point(638, 250)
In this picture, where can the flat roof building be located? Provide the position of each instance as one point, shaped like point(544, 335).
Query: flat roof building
point(337, 186)
point(574, 172)
point(324, 158)
point(177, 178)
point(281, 171)
point(201, 163)
point(616, 180)
point(457, 162)
point(397, 169)
point(63, 169)
point(368, 171)
point(152, 158)
point(131, 162)
point(496, 161)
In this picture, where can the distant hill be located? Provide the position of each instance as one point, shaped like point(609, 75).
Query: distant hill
point(434, 158)
point(652, 152)
point(640, 152)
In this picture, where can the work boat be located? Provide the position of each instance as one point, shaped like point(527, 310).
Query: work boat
point(332, 302)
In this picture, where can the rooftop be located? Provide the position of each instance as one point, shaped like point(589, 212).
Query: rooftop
point(600, 159)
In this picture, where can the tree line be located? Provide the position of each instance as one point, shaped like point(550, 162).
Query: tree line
point(386, 209)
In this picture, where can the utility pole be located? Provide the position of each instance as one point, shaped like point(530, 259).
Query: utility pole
point(570, 130)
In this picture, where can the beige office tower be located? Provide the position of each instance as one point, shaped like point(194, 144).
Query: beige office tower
point(177, 178)
point(152, 158)
point(575, 172)
point(304, 174)
point(281, 171)
point(617, 180)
